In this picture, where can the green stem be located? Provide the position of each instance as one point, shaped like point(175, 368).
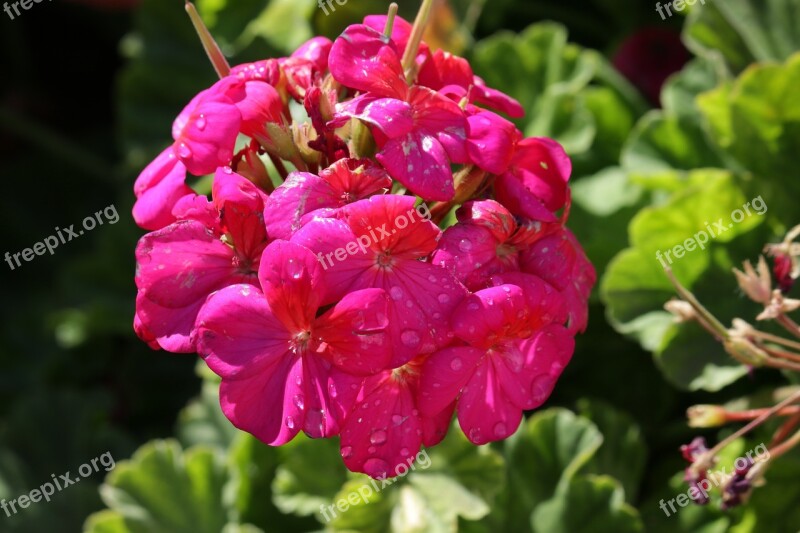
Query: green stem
point(717, 327)
point(410, 55)
point(209, 44)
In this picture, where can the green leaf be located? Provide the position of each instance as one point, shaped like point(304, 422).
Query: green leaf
point(624, 451)
point(202, 421)
point(593, 504)
point(741, 32)
point(164, 489)
point(548, 450)
point(756, 119)
point(451, 481)
point(298, 486)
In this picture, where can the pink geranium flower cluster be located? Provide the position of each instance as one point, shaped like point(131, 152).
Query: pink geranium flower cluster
point(382, 344)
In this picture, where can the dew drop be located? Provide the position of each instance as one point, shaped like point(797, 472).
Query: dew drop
point(541, 388)
point(396, 293)
point(298, 402)
point(378, 437)
point(376, 468)
point(184, 152)
point(404, 452)
point(443, 298)
point(347, 451)
point(397, 420)
point(201, 123)
point(475, 436)
point(465, 245)
point(500, 430)
point(456, 364)
point(410, 338)
point(332, 392)
point(290, 422)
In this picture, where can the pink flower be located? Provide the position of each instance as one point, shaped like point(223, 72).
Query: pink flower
point(419, 131)
point(452, 75)
point(158, 188)
point(492, 141)
point(304, 196)
point(510, 362)
point(205, 132)
point(283, 368)
point(560, 260)
point(212, 246)
point(535, 185)
point(385, 429)
point(381, 242)
point(485, 241)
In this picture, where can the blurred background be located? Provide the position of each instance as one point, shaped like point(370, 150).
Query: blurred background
point(88, 92)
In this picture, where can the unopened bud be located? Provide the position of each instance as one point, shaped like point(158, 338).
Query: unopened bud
point(757, 285)
point(706, 416)
point(744, 351)
point(681, 311)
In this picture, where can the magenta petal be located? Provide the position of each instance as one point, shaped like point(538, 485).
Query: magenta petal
point(544, 169)
point(324, 237)
point(470, 253)
point(391, 116)
point(172, 329)
point(354, 331)
point(238, 335)
point(436, 115)
point(158, 188)
point(547, 353)
point(301, 193)
point(383, 431)
point(401, 29)
point(181, 264)
point(443, 376)
point(208, 137)
point(291, 279)
point(261, 104)
point(492, 141)
point(490, 314)
point(263, 404)
point(315, 50)
point(496, 99)
point(419, 162)
point(361, 59)
point(514, 195)
point(485, 413)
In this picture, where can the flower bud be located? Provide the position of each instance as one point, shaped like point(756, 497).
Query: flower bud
point(706, 416)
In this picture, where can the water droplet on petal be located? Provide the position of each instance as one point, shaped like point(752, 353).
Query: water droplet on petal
point(201, 123)
point(541, 388)
point(396, 293)
point(404, 452)
point(456, 364)
point(410, 338)
point(290, 422)
point(465, 245)
point(332, 392)
point(500, 430)
point(475, 436)
point(376, 468)
point(347, 451)
point(443, 298)
point(397, 420)
point(184, 152)
point(298, 402)
point(378, 437)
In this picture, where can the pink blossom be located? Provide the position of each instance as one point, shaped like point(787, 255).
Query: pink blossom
point(283, 368)
point(503, 368)
point(304, 195)
point(158, 188)
point(177, 267)
point(422, 295)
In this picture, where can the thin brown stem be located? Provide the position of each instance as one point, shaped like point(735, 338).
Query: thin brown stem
point(785, 446)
